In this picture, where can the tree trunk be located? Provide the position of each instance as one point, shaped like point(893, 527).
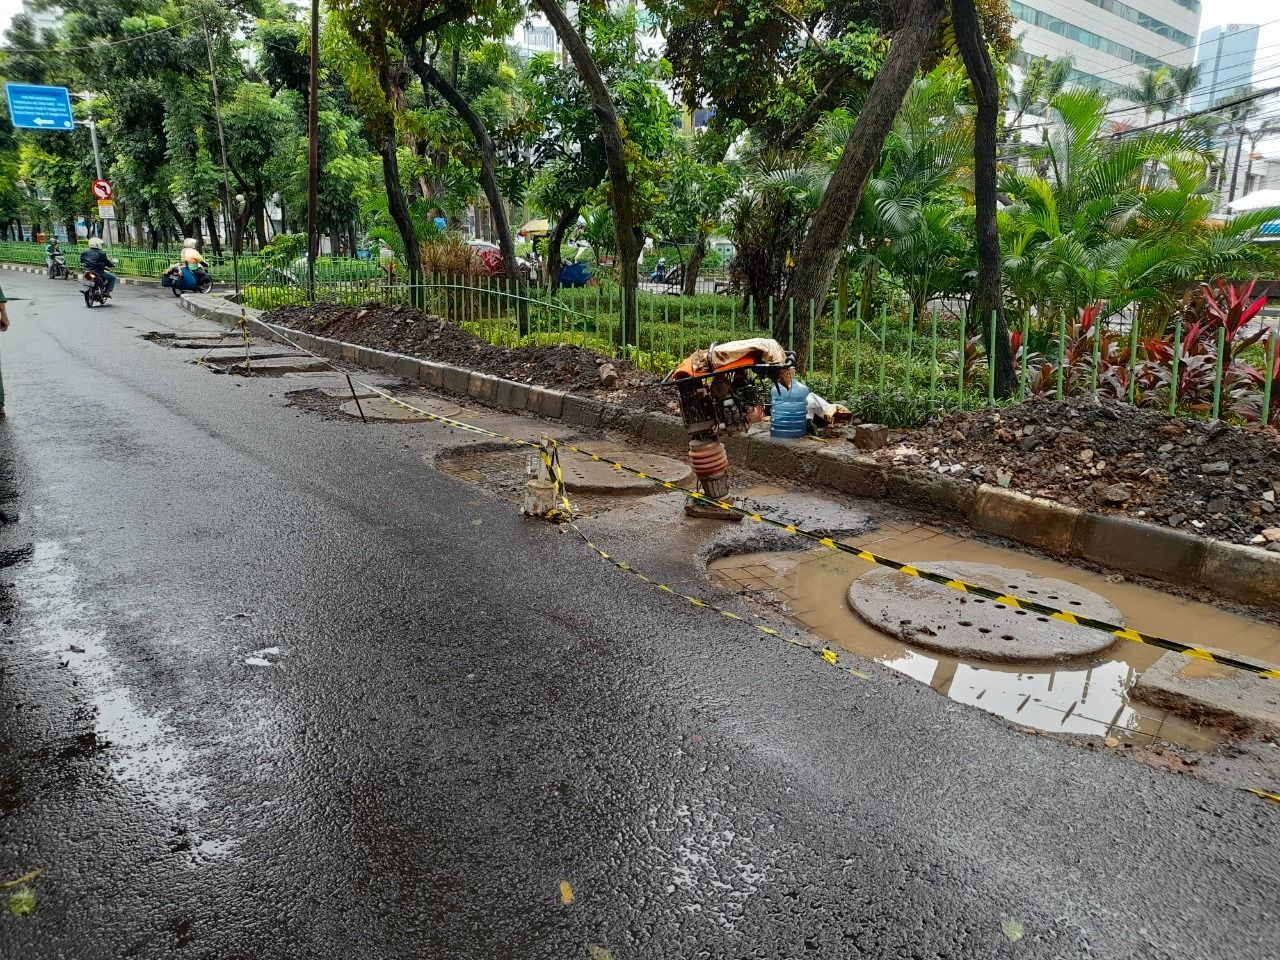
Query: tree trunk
point(988, 295)
point(70, 224)
point(433, 79)
point(566, 220)
point(396, 205)
point(626, 230)
point(829, 228)
point(691, 268)
point(214, 240)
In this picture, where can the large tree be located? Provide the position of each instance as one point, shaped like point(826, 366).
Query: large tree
point(829, 228)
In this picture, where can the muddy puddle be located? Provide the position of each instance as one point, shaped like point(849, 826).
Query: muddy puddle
point(1087, 697)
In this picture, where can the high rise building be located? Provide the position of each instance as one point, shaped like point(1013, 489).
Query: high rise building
point(1226, 58)
point(1111, 42)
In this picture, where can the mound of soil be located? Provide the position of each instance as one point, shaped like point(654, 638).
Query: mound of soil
point(1210, 478)
point(403, 329)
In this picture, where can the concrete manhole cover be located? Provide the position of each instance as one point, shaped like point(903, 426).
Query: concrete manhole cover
point(590, 476)
point(379, 408)
point(939, 618)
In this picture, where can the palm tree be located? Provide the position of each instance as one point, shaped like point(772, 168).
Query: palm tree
point(1043, 81)
point(1182, 80)
point(1151, 92)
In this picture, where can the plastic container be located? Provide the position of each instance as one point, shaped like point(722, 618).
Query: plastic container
point(790, 415)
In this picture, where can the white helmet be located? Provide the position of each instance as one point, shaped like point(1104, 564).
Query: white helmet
point(188, 242)
point(95, 243)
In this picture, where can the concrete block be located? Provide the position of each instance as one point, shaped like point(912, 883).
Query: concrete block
point(546, 402)
point(930, 491)
point(1214, 692)
point(512, 395)
point(454, 379)
point(406, 367)
point(430, 373)
point(1031, 520)
point(663, 428)
point(581, 411)
point(790, 459)
point(349, 352)
point(1242, 572)
point(482, 387)
point(843, 469)
point(381, 360)
point(364, 357)
point(614, 416)
point(1138, 547)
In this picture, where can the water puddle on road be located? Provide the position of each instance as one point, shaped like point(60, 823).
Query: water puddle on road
point(1088, 697)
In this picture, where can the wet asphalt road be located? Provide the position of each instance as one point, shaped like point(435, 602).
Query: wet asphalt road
point(468, 711)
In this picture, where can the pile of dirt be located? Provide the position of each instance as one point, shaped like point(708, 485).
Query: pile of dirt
point(403, 329)
point(1210, 478)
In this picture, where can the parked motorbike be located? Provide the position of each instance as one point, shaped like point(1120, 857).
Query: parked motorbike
point(58, 267)
point(185, 279)
point(95, 291)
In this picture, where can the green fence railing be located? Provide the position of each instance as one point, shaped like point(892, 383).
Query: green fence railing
point(892, 366)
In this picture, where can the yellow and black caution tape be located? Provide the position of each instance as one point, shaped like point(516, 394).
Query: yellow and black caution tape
point(1264, 794)
point(828, 655)
point(1020, 603)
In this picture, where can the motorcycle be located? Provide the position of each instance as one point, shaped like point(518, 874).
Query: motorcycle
point(183, 279)
point(95, 290)
point(58, 267)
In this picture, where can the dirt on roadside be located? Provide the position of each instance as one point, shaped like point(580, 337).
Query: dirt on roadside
point(404, 329)
point(1208, 478)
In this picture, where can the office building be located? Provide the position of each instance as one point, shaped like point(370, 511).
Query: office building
point(1111, 42)
point(1226, 57)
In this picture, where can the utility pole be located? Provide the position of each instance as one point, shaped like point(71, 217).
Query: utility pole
point(313, 153)
point(226, 177)
point(97, 158)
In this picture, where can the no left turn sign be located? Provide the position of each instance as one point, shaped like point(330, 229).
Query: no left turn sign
point(102, 189)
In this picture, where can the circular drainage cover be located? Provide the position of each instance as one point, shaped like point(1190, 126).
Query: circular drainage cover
point(939, 618)
point(591, 476)
point(379, 408)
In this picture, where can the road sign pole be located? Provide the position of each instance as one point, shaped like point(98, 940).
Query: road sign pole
point(97, 165)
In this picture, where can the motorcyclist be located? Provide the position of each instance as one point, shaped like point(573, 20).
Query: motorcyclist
point(51, 250)
point(192, 258)
point(97, 261)
point(660, 272)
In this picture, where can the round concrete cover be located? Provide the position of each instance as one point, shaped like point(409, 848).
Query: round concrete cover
point(590, 476)
point(378, 408)
point(939, 618)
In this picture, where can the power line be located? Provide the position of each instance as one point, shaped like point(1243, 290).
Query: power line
point(88, 48)
point(1225, 105)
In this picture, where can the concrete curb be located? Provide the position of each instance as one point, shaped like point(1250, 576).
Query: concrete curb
point(1235, 571)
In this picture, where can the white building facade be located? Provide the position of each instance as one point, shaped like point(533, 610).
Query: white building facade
point(1111, 42)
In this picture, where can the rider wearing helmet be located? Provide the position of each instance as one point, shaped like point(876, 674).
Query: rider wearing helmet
point(97, 261)
point(50, 250)
point(192, 259)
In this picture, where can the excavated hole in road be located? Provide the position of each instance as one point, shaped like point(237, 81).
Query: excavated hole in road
point(1086, 696)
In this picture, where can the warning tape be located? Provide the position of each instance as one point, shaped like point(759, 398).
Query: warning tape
point(963, 586)
point(1019, 603)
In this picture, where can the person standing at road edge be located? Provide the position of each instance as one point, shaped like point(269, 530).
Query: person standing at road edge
point(4, 325)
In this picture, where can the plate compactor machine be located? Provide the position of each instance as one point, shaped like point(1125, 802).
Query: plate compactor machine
point(721, 393)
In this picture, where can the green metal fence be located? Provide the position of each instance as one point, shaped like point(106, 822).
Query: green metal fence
point(891, 366)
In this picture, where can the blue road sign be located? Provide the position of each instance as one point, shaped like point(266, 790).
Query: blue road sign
point(39, 108)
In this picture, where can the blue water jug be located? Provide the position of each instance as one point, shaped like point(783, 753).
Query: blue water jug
point(789, 410)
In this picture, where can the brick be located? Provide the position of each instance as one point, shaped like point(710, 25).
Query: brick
point(1242, 572)
point(1137, 547)
point(1031, 520)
